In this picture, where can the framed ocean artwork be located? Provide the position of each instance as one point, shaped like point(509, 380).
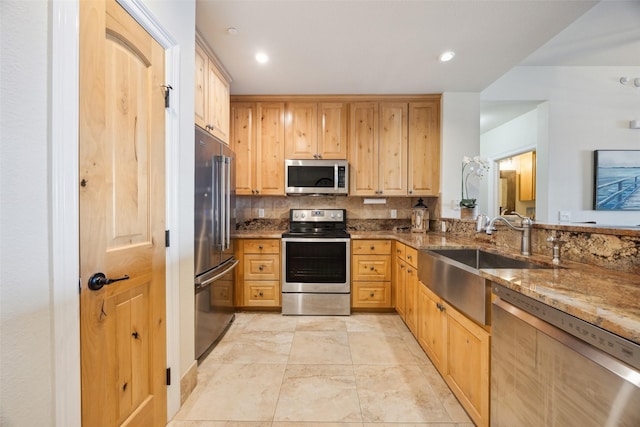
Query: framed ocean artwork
point(617, 180)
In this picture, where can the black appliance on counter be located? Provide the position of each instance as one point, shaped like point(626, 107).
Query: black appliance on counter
point(213, 250)
point(316, 253)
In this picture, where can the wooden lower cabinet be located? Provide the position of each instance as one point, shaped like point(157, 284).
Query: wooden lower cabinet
point(459, 349)
point(258, 273)
point(432, 325)
point(405, 282)
point(371, 274)
point(466, 370)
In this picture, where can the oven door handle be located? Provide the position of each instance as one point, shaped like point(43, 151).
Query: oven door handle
point(316, 239)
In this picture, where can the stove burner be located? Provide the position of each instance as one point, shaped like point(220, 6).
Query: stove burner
point(317, 223)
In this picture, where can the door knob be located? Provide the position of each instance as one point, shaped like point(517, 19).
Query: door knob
point(98, 280)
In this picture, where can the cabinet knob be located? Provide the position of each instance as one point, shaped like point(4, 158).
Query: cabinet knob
point(261, 268)
point(260, 293)
point(372, 294)
point(260, 247)
point(409, 256)
point(372, 268)
point(409, 270)
point(372, 247)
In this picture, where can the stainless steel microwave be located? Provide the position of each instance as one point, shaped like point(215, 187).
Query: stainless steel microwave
point(316, 177)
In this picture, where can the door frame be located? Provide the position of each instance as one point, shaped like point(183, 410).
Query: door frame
point(64, 204)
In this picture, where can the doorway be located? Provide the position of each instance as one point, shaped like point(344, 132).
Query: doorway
point(517, 185)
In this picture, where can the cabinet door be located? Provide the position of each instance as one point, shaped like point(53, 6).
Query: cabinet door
point(467, 365)
point(528, 176)
point(332, 132)
point(269, 163)
point(363, 148)
point(371, 294)
point(431, 325)
point(424, 148)
point(399, 283)
point(218, 104)
point(243, 143)
point(392, 160)
point(200, 94)
point(301, 129)
point(411, 299)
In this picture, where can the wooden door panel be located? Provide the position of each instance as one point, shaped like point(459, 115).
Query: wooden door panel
point(123, 340)
point(363, 148)
point(393, 148)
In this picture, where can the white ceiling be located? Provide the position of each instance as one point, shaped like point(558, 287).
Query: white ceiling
point(392, 46)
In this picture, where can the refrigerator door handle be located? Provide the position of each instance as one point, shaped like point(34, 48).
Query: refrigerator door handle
point(210, 280)
point(227, 204)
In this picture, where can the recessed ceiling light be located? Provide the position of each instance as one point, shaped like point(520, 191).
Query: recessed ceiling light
point(447, 56)
point(262, 57)
point(232, 31)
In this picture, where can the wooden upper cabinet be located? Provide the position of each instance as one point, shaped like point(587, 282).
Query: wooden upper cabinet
point(270, 156)
point(211, 95)
point(218, 105)
point(243, 144)
point(393, 148)
point(257, 138)
point(316, 130)
point(202, 68)
point(332, 130)
point(424, 148)
point(301, 125)
point(363, 148)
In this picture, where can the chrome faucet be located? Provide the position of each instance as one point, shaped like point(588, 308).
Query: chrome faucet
point(525, 245)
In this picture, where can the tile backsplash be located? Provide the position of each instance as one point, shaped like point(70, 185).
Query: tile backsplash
point(248, 208)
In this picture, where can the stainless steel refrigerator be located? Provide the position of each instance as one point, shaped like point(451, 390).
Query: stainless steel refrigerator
point(213, 248)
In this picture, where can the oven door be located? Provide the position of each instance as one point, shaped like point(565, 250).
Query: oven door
point(316, 265)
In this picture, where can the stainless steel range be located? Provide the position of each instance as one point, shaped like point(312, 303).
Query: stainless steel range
point(316, 268)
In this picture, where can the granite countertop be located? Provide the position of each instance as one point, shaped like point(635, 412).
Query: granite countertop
point(606, 298)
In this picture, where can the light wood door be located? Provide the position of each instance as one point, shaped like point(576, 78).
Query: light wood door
point(466, 369)
point(243, 144)
point(269, 161)
point(217, 103)
point(393, 149)
point(363, 148)
point(399, 285)
point(122, 325)
point(332, 132)
point(301, 130)
point(411, 299)
point(201, 85)
point(431, 325)
point(424, 148)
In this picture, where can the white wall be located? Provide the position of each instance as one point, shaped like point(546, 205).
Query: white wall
point(517, 136)
point(460, 135)
point(29, 373)
point(25, 312)
point(588, 109)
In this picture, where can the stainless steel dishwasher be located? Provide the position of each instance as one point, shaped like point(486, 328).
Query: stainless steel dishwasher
point(549, 368)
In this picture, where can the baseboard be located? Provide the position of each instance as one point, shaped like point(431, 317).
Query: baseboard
point(188, 382)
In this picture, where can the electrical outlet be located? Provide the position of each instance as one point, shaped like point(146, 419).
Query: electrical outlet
point(394, 213)
point(260, 213)
point(455, 204)
point(564, 216)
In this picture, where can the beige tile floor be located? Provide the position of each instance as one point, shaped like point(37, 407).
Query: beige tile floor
point(363, 370)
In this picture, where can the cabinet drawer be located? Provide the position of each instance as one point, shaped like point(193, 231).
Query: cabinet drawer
point(371, 294)
point(262, 246)
point(262, 293)
point(400, 250)
point(374, 247)
point(261, 267)
point(411, 256)
point(371, 267)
